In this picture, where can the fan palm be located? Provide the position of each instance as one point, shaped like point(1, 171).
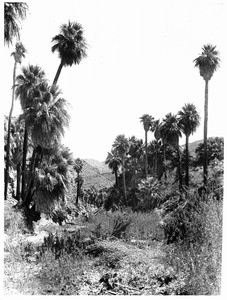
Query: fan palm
point(26, 90)
point(189, 120)
point(147, 121)
point(71, 46)
point(157, 135)
point(207, 62)
point(121, 146)
point(18, 54)
point(51, 178)
point(78, 166)
point(170, 132)
point(46, 121)
point(114, 162)
point(13, 12)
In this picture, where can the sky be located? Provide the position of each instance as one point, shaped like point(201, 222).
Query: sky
point(139, 61)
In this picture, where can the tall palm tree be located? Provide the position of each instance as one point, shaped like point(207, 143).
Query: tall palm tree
point(114, 162)
point(157, 135)
point(13, 12)
point(78, 166)
point(135, 159)
point(189, 120)
point(207, 62)
point(26, 90)
point(46, 120)
point(147, 121)
point(121, 146)
point(17, 55)
point(70, 45)
point(171, 133)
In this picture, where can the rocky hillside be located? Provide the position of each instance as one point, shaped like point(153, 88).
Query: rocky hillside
point(96, 174)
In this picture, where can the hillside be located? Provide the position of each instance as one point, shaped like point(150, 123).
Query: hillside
point(193, 145)
point(96, 174)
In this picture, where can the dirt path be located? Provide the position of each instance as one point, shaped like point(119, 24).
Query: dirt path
point(132, 269)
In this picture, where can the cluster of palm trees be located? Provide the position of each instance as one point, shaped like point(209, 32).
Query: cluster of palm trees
point(135, 157)
point(44, 115)
point(167, 132)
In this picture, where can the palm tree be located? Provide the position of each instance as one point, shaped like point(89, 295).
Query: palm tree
point(26, 90)
point(46, 121)
point(135, 159)
point(114, 162)
point(147, 121)
point(18, 54)
point(157, 135)
point(189, 120)
point(171, 133)
point(78, 166)
point(13, 12)
point(207, 62)
point(71, 46)
point(121, 146)
point(51, 181)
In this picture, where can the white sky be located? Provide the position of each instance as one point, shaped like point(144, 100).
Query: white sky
point(140, 60)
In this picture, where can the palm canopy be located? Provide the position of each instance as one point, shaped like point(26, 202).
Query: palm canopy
point(27, 84)
point(147, 121)
point(47, 121)
point(156, 129)
point(13, 12)
point(113, 161)
point(207, 61)
point(70, 44)
point(189, 119)
point(52, 177)
point(19, 52)
point(135, 147)
point(78, 165)
point(170, 130)
point(121, 145)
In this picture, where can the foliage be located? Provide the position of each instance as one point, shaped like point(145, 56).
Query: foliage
point(52, 178)
point(13, 12)
point(70, 43)
point(207, 61)
point(14, 223)
point(148, 194)
point(200, 260)
point(215, 150)
point(182, 219)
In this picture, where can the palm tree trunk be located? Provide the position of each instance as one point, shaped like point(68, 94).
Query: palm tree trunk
point(124, 182)
point(187, 162)
point(25, 146)
point(58, 73)
point(164, 159)
point(146, 171)
point(179, 167)
point(115, 173)
point(78, 188)
point(205, 161)
point(18, 181)
point(156, 159)
point(8, 136)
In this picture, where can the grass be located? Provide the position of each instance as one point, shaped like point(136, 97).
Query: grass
point(137, 263)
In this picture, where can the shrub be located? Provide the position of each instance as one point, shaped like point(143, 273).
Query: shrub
point(196, 230)
point(13, 220)
point(183, 218)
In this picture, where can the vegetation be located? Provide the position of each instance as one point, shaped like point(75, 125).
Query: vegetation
point(207, 62)
point(13, 13)
point(154, 230)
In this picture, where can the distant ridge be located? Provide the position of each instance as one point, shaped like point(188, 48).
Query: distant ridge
point(97, 174)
